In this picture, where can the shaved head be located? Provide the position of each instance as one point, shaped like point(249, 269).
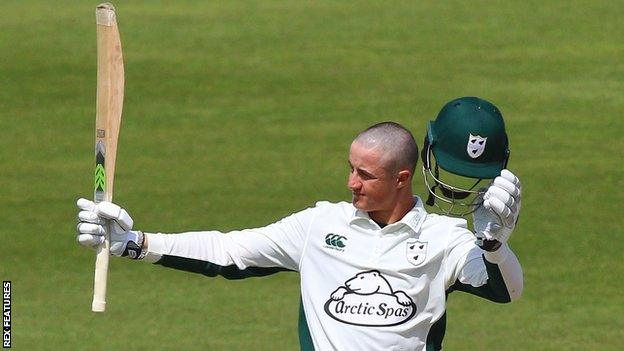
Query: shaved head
point(395, 144)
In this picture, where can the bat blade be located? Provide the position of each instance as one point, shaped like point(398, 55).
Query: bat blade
point(110, 91)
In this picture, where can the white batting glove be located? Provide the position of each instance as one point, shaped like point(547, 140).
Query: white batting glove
point(92, 228)
point(496, 219)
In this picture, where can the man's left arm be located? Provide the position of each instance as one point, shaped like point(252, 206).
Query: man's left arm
point(496, 276)
point(492, 270)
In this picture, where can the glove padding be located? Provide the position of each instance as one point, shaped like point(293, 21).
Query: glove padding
point(496, 219)
point(95, 218)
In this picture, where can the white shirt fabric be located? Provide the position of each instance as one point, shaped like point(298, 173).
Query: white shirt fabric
point(363, 287)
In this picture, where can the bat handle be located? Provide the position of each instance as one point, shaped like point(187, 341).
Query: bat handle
point(101, 273)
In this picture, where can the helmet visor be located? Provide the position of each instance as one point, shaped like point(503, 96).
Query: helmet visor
point(454, 200)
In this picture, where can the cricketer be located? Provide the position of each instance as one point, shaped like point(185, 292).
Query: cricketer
point(375, 272)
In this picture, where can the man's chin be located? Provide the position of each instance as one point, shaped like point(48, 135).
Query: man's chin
point(359, 203)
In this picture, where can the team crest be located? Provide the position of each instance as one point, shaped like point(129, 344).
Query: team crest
point(476, 145)
point(416, 251)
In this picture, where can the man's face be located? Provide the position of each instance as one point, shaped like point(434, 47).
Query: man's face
point(373, 187)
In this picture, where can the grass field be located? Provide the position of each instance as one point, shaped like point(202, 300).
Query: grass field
point(239, 113)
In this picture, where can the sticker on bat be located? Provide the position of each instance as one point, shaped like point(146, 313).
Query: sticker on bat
point(100, 172)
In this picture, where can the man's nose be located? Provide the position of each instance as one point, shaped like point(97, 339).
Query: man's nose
point(353, 183)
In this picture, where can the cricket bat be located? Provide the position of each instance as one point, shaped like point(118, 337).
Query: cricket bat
point(110, 91)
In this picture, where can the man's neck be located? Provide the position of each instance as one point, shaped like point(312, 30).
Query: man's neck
point(396, 214)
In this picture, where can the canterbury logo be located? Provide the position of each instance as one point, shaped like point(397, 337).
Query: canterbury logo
point(335, 241)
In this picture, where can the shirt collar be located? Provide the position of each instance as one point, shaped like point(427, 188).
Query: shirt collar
point(413, 219)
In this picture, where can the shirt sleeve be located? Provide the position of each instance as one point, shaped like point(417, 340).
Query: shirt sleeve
point(496, 276)
point(278, 245)
point(461, 250)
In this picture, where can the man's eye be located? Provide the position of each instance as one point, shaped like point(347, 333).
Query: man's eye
point(365, 175)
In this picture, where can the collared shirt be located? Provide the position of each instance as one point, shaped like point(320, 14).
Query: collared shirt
point(362, 287)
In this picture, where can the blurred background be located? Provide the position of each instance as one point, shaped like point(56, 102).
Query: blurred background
point(238, 113)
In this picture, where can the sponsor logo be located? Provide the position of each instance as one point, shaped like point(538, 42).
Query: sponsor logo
point(335, 242)
point(475, 146)
point(133, 250)
point(368, 300)
point(416, 251)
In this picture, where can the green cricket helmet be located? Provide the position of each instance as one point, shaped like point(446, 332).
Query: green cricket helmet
point(466, 139)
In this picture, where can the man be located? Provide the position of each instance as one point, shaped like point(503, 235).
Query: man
point(374, 272)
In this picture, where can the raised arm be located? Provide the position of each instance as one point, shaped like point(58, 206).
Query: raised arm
point(493, 271)
point(234, 255)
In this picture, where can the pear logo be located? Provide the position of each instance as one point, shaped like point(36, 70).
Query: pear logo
point(476, 145)
point(416, 252)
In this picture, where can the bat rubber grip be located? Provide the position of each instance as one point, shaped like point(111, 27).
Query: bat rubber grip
point(101, 274)
point(98, 306)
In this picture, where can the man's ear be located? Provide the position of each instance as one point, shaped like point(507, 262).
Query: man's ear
point(404, 178)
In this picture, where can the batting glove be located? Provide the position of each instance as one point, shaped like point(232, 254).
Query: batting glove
point(497, 218)
point(95, 218)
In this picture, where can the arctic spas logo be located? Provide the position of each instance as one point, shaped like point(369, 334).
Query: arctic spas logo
point(368, 300)
point(476, 145)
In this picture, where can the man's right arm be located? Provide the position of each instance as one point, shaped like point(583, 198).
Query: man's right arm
point(234, 255)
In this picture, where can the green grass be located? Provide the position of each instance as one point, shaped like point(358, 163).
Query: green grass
point(238, 113)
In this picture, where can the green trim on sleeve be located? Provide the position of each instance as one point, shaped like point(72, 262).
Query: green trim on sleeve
point(305, 340)
point(436, 334)
point(212, 270)
point(494, 290)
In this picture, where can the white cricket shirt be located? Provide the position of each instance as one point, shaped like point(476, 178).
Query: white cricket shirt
point(363, 287)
